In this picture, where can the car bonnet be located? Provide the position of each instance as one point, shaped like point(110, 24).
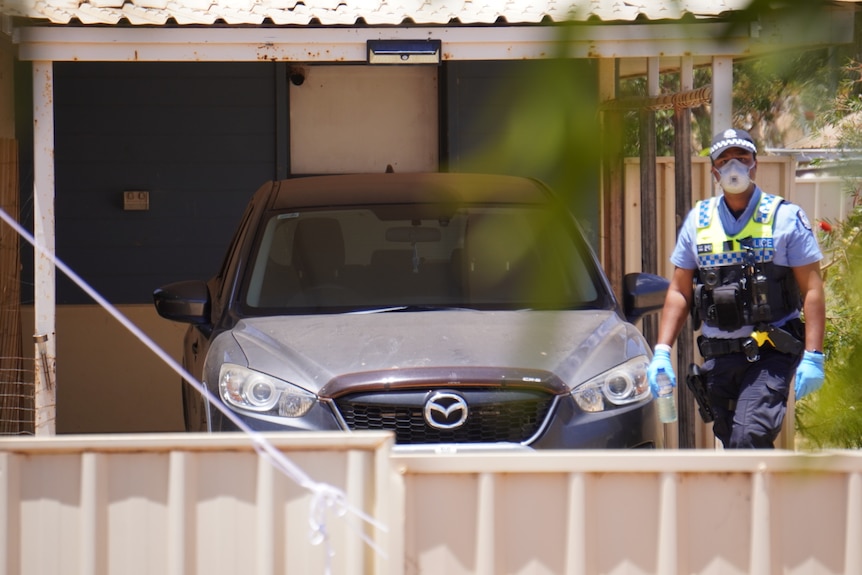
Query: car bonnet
point(311, 350)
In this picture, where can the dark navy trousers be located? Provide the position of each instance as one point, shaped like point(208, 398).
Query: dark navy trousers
point(749, 398)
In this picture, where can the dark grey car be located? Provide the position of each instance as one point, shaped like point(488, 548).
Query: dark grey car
point(448, 308)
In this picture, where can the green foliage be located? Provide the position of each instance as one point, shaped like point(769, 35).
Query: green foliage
point(832, 417)
point(799, 85)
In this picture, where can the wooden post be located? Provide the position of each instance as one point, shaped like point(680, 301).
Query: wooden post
point(649, 261)
point(613, 208)
point(682, 175)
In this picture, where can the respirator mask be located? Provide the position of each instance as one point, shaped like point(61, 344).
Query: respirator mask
point(735, 177)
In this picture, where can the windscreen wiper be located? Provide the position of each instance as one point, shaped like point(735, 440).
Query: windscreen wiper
point(410, 308)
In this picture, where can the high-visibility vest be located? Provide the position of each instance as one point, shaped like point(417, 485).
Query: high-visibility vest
point(737, 282)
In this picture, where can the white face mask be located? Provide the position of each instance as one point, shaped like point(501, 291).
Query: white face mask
point(735, 177)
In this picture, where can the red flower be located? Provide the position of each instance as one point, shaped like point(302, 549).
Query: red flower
point(825, 226)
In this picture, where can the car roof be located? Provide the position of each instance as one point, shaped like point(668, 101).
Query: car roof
point(400, 188)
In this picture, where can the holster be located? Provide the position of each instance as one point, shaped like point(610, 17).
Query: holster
point(784, 341)
point(696, 383)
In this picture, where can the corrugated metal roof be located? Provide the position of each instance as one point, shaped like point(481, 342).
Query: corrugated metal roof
point(353, 12)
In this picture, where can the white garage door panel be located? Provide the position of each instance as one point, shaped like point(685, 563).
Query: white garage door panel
point(363, 118)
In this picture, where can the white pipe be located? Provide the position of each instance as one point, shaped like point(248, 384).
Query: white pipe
point(43, 232)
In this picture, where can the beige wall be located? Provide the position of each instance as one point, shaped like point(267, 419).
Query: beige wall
point(823, 198)
point(107, 380)
point(401, 98)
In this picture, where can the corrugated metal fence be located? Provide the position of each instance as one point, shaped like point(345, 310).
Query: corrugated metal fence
point(183, 504)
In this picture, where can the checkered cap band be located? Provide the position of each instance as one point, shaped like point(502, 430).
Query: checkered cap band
point(731, 139)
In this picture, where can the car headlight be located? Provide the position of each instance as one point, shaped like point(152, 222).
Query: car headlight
point(248, 389)
point(626, 383)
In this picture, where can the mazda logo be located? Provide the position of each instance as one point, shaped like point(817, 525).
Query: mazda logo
point(445, 410)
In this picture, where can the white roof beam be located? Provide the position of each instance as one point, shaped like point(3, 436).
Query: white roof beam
point(82, 44)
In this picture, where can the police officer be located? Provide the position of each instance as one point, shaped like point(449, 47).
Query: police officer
point(746, 263)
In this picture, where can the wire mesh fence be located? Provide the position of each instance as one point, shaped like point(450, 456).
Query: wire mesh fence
point(17, 373)
point(17, 409)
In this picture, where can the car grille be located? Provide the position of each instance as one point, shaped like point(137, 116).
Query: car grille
point(493, 415)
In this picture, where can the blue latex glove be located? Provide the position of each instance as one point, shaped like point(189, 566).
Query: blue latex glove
point(809, 374)
point(661, 360)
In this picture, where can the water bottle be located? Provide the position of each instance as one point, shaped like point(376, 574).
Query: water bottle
point(665, 401)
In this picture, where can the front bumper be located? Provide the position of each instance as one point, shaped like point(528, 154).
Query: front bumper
point(566, 427)
point(626, 427)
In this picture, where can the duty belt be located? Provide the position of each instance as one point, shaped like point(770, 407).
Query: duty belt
point(779, 339)
point(712, 347)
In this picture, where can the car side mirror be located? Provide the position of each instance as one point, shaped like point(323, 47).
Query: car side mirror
point(185, 301)
point(643, 294)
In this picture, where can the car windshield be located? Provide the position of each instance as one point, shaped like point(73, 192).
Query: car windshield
point(376, 258)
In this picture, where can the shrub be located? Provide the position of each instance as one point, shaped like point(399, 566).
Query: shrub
point(832, 417)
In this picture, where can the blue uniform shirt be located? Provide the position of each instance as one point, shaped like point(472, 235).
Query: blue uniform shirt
point(795, 245)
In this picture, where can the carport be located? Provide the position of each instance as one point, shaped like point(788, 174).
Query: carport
point(626, 40)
